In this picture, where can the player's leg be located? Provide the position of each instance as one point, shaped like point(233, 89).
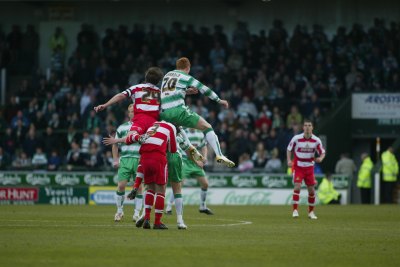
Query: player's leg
point(177, 192)
point(175, 166)
point(168, 209)
point(310, 181)
point(183, 116)
point(159, 206)
point(203, 181)
point(311, 202)
point(138, 204)
point(212, 139)
point(124, 173)
point(119, 200)
point(149, 175)
point(160, 169)
point(296, 199)
point(134, 164)
point(297, 180)
point(148, 204)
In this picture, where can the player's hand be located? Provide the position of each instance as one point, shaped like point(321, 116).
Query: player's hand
point(109, 140)
point(116, 164)
point(142, 138)
point(200, 163)
point(318, 160)
point(132, 194)
point(195, 155)
point(290, 163)
point(224, 103)
point(99, 108)
point(192, 91)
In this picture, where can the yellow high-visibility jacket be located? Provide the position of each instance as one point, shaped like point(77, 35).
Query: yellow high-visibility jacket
point(326, 192)
point(364, 174)
point(390, 167)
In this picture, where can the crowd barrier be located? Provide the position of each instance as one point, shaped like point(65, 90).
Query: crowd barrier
point(98, 188)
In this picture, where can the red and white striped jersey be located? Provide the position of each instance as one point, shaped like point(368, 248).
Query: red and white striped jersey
point(145, 98)
point(162, 138)
point(304, 149)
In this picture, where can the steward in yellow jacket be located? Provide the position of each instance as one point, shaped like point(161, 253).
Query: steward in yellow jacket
point(327, 193)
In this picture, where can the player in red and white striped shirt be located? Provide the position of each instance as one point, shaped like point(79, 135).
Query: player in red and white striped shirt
point(145, 98)
point(304, 146)
point(158, 139)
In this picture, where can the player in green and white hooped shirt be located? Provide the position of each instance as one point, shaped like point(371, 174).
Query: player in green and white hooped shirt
point(175, 165)
point(173, 109)
point(191, 169)
point(127, 163)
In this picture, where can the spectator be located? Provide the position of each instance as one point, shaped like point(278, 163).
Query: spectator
point(274, 165)
point(5, 159)
point(22, 161)
point(54, 161)
point(50, 140)
point(39, 159)
point(345, 166)
point(260, 156)
point(294, 117)
point(245, 163)
point(85, 143)
point(9, 142)
point(94, 159)
point(74, 157)
point(20, 117)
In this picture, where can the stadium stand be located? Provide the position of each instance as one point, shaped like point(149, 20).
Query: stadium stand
point(272, 81)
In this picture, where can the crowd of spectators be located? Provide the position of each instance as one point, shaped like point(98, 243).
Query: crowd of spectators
point(272, 81)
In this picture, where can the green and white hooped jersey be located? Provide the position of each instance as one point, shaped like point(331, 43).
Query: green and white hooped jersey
point(174, 86)
point(127, 151)
point(196, 138)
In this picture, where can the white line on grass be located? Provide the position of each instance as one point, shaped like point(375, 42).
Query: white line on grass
point(54, 225)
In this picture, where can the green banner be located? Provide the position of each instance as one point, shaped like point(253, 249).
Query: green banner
point(216, 180)
point(260, 181)
point(63, 195)
point(57, 178)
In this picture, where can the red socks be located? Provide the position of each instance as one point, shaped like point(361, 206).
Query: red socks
point(311, 202)
point(148, 203)
point(159, 208)
point(296, 198)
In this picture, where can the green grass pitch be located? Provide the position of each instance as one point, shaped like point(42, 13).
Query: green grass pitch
point(235, 236)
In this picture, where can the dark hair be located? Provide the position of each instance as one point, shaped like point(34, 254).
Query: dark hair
point(307, 121)
point(154, 75)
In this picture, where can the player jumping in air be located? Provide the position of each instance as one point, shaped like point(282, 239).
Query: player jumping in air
point(173, 109)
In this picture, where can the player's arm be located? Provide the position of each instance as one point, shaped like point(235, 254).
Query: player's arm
point(115, 99)
point(321, 152)
point(110, 140)
point(320, 158)
point(289, 158)
point(289, 150)
point(115, 154)
point(207, 92)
